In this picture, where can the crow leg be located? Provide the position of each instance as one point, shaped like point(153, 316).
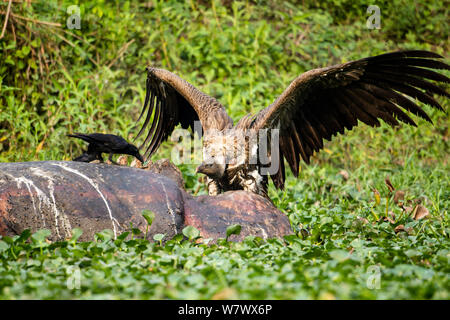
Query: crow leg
point(99, 157)
point(112, 161)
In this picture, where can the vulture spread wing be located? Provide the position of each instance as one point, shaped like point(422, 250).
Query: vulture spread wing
point(170, 101)
point(323, 102)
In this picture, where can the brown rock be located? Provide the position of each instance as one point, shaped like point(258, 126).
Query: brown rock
point(62, 195)
point(256, 215)
point(167, 169)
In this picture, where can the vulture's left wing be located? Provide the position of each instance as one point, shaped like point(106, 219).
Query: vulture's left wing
point(170, 101)
point(323, 102)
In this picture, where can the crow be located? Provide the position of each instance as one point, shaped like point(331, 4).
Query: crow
point(105, 143)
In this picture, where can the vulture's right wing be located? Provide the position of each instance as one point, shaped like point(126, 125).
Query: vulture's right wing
point(172, 101)
point(323, 102)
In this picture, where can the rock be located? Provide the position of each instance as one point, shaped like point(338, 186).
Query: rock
point(62, 195)
point(256, 215)
point(166, 168)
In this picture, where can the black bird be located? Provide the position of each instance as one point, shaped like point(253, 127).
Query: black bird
point(105, 143)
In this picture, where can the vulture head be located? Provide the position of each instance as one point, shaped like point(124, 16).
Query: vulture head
point(316, 106)
point(212, 170)
point(220, 150)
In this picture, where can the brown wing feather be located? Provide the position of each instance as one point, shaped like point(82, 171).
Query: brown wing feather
point(170, 101)
point(323, 102)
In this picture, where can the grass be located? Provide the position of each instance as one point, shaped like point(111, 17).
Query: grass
point(245, 55)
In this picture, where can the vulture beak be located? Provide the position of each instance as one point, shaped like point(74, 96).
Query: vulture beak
point(200, 168)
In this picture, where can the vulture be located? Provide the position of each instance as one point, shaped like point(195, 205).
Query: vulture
point(317, 105)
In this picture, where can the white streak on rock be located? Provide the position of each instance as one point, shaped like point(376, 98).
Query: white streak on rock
point(65, 221)
point(169, 208)
point(41, 195)
point(95, 186)
point(264, 233)
point(28, 184)
point(58, 215)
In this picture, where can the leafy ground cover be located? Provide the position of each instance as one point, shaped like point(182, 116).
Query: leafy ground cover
point(351, 239)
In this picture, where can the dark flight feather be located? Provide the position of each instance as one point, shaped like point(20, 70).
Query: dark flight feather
point(326, 101)
point(172, 101)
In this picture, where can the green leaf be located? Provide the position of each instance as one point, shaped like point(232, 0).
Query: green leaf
point(104, 235)
point(36, 42)
point(149, 216)
point(40, 235)
point(339, 255)
point(158, 237)
point(26, 50)
point(412, 253)
point(76, 233)
point(233, 229)
point(32, 64)
point(191, 232)
point(3, 246)
point(177, 238)
point(123, 235)
point(24, 235)
point(10, 60)
point(136, 231)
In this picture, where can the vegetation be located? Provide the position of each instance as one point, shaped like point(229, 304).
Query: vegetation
point(349, 232)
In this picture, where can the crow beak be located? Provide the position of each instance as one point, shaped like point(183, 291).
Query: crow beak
point(139, 157)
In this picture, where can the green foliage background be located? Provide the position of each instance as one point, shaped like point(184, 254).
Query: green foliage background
point(55, 81)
